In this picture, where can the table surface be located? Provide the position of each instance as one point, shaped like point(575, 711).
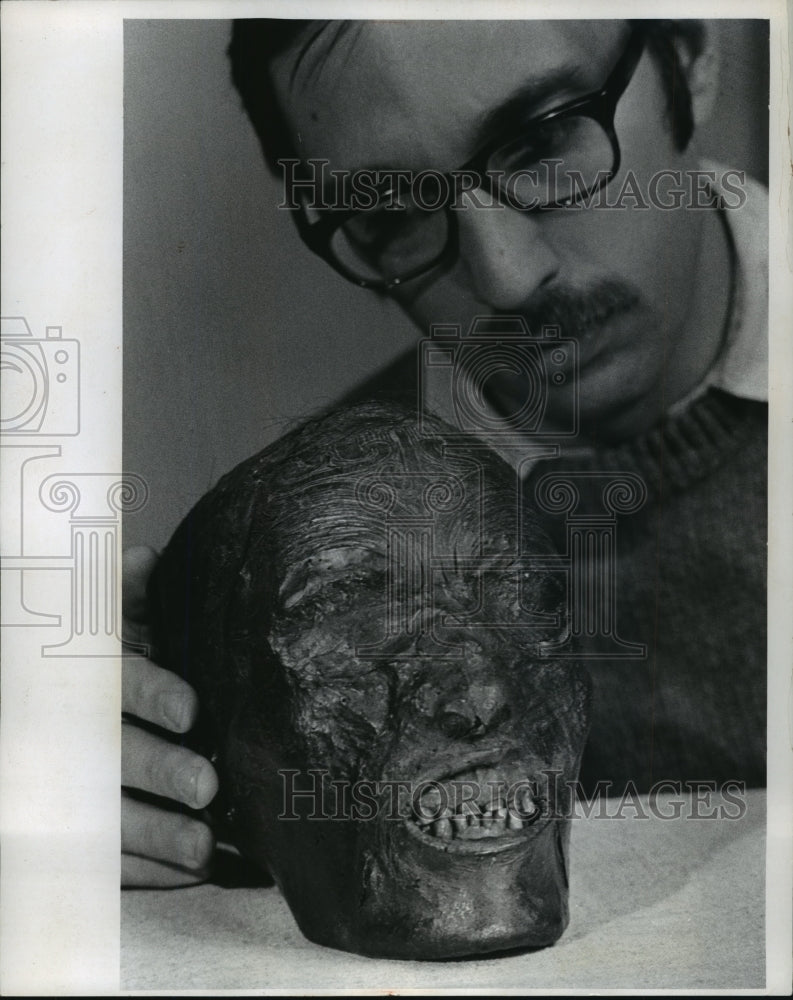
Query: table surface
point(654, 904)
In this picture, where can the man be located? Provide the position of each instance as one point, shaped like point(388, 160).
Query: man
point(662, 291)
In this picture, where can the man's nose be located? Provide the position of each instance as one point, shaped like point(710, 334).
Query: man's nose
point(504, 253)
point(474, 710)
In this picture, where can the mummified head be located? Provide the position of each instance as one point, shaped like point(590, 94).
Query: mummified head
point(362, 619)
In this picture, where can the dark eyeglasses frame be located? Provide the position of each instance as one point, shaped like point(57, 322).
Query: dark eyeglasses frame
point(600, 105)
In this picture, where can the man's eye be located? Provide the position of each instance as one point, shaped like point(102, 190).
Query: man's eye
point(546, 141)
point(389, 241)
point(383, 228)
point(544, 165)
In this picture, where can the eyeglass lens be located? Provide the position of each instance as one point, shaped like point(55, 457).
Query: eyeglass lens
point(390, 242)
point(559, 160)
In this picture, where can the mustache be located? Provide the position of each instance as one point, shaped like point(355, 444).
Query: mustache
point(578, 312)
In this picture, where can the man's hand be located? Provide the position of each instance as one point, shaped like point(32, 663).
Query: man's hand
point(159, 846)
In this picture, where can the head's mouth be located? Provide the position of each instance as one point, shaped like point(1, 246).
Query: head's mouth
point(482, 810)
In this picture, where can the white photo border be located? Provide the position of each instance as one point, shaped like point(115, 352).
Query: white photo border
point(61, 267)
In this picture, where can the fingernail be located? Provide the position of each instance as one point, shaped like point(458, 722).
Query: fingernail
point(205, 785)
point(173, 711)
point(200, 848)
point(199, 786)
point(189, 786)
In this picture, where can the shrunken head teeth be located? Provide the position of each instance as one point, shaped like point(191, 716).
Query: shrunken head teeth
point(479, 805)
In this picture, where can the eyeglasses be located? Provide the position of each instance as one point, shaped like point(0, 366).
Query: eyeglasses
point(558, 159)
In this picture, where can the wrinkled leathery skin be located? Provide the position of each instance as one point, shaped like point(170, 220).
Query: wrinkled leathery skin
point(271, 600)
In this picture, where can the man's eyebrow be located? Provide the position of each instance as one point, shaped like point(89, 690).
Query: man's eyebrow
point(528, 96)
point(519, 105)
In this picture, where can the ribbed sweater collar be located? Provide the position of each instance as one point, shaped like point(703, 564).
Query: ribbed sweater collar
point(682, 449)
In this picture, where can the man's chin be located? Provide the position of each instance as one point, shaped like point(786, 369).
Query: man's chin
point(616, 400)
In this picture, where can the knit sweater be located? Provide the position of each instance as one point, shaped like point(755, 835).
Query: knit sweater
point(691, 586)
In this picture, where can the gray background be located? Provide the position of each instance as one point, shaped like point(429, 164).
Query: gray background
point(233, 331)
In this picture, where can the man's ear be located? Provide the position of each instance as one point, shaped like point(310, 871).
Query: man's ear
point(698, 48)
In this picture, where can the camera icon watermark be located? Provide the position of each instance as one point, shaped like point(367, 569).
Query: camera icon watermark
point(500, 380)
point(41, 381)
point(499, 384)
point(62, 524)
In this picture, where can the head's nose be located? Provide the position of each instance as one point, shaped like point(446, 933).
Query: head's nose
point(504, 254)
point(474, 710)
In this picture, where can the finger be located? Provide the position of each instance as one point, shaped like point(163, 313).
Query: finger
point(145, 873)
point(152, 764)
point(136, 636)
point(137, 564)
point(157, 695)
point(153, 832)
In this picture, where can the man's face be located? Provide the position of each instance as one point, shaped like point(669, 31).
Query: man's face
point(628, 283)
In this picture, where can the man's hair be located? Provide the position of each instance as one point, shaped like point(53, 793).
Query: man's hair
point(255, 42)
